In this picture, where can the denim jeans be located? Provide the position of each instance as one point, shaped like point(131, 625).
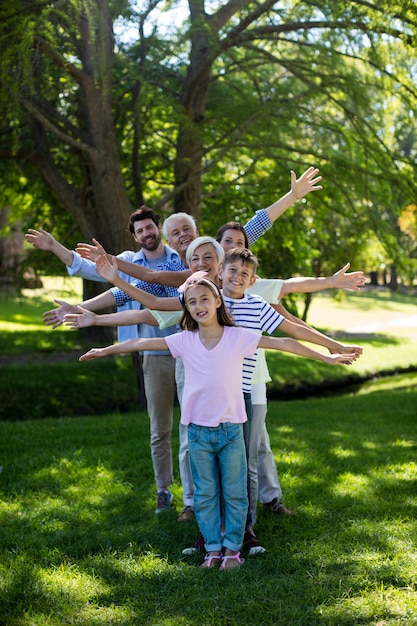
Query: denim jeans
point(219, 469)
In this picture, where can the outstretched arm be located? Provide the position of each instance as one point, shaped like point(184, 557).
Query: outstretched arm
point(162, 277)
point(286, 344)
point(335, 347)
point(43, 240)
point(107, 269)
point(351, 281)
point(304, 332)
point(132, 345)
point(300, 187)
point(84, 318)
point(55, 317)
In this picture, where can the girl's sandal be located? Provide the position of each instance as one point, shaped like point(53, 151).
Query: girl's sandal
point(231, 561)
point(211, 561)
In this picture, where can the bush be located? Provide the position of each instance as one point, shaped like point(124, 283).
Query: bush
point(68, 388)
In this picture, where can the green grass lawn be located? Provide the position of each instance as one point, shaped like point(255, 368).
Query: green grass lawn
point(80, 543)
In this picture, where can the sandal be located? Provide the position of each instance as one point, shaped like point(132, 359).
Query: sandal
point(211, 561)
point(235, 561)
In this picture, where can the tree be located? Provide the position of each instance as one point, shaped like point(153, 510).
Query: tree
point(209, 116)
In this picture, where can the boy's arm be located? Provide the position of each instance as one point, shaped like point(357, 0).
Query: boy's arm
point(107, 269)
point(351, 281)
point(300, 187)
point(305, 333)
point(132, 345)
point(338, 348)
point(84, 318)
point(287, 344)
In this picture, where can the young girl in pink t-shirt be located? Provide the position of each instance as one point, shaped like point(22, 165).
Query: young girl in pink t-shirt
point(212, 349)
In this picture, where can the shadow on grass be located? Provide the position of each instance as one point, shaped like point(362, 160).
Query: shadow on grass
point(80, 540)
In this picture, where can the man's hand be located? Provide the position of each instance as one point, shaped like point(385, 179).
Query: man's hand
point(82, 319)
point(351, 282)
point(306, 183)
point(107, 268)
point(40, 239)
point(55, 317)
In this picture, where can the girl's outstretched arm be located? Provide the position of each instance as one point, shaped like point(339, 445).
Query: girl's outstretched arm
point(132, 345)
point(286, 344)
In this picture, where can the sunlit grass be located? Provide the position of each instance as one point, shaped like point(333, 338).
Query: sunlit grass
point(80, 542)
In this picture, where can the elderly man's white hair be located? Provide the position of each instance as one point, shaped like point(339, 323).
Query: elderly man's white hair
point(170, 218)
point(196, 243)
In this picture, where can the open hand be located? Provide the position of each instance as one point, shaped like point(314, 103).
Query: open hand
point(82, 319)
point(107, 268)
point(94, 353)
point(91, 252)
point(55, 317)
point(40, 239)
point(351, 282)
point(341, 359)
point(357, 351)
point(306, 183)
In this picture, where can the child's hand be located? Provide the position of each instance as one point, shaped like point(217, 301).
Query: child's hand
point(351, 282)
point(94, 353)
point(91, 252)
point(82, 319)
point(341, 359)
point(107, 268)
point(55, 317)
point(343, 349)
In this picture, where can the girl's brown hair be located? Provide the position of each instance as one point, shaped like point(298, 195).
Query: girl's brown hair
point(187, 322)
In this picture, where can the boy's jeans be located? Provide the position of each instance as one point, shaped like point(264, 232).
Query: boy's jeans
point(219, 469)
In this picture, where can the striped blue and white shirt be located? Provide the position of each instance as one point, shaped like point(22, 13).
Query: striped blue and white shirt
point(253, 313)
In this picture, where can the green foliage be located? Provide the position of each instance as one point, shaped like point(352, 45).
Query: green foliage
point(325, 83)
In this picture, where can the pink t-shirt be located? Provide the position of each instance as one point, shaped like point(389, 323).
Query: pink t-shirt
point(213, 378)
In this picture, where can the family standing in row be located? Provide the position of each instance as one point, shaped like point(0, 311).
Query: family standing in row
point(212, 303)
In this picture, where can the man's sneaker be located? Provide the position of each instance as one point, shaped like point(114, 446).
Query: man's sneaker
point(163, 501)
point(251, 545)
point(197, 546)
point(186, 514)
point(276, 506)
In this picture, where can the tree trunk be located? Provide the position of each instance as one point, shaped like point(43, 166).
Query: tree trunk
point(393, 282)
point(374, 279)
point(308, 298)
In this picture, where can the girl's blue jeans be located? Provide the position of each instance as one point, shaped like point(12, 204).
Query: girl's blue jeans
point(219, 469)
